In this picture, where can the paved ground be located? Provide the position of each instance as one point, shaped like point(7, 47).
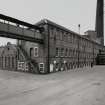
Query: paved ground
point(76, 87)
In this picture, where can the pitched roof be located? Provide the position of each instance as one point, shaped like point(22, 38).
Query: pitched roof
point(46, 21)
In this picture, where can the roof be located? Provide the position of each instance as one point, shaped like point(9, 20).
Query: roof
point(90, 31)
point(46, 21)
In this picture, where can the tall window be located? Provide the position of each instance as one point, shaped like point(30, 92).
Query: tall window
point(65, 37)
point(66, 52)
point(12, 62)
point(0, 61)
point(31, 52)
point(21, 65)
point(57, 34)
point(35, 51)
point(9, 62)
point(41, 67)
point(5, 62)
point(57, 52)
point(61, 36)
point(73, 52)
point(51, 31)
point(62, 52)
point(69, 52)
point(26, 66)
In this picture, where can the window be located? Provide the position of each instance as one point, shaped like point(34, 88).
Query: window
point(57, 34)
point(41, 67)
point(61, 36)
point(65, 37)
point(9, 62)
point(66, 52)
point(57, 52)
point(20, 65)
point(73, 38)
point(62, 52)
point(35, 51)
point(73, 52)
point(69, 39)
point(8, 48)
point(5, 61)
point(0, 61)
point(69, 52)
point(51, 31)
point(26, 67)
point(12, 62)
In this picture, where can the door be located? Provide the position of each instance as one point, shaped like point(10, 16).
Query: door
point(31, 53)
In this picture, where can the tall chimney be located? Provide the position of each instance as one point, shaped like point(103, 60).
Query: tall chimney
point(100, 21)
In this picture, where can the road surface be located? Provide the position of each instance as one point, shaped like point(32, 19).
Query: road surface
point(75, 87)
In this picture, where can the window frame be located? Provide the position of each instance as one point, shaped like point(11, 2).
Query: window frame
point(62, 52)
point(41, 67)
point(20, 65)
point(57, 52)
point(36, 52)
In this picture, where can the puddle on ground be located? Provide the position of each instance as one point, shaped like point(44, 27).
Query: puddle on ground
point(97, 83)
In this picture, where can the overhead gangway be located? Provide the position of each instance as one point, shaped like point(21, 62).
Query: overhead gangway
point(18, 30)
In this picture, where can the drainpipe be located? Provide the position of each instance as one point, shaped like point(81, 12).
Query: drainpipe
point(78, 52)
point(93, 53)
point(48, 60)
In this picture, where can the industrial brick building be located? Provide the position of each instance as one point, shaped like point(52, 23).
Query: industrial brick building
point(48, 47)
point(61, 50)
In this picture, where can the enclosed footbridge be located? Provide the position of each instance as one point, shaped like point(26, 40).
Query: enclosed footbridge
point(16, 29)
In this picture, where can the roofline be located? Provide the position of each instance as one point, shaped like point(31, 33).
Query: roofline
point(46, 21)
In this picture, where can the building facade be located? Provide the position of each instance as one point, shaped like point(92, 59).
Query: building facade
point(8, 57)
point(62, 50)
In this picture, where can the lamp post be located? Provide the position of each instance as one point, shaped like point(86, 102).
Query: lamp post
point(79, 26)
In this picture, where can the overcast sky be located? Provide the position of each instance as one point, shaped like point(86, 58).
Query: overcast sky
point(68, 13)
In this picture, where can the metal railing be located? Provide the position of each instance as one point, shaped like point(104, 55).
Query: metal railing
point(16, 29)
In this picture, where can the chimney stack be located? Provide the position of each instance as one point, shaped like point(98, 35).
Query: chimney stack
point(100, 21)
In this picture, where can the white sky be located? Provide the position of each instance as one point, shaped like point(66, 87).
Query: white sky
point(68, 13)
